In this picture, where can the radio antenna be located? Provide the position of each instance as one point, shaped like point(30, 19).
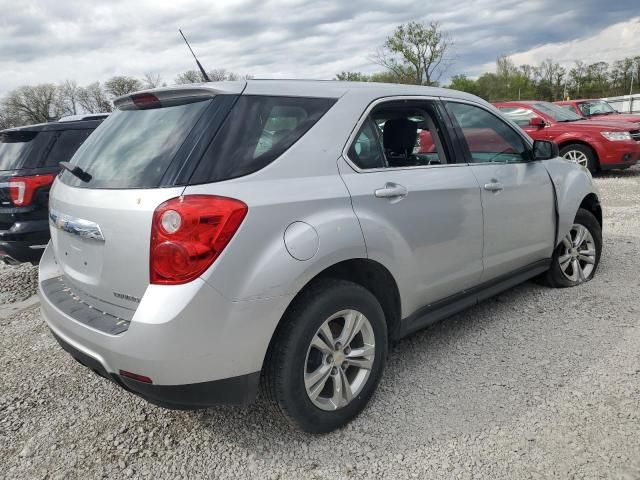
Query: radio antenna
point(204, 74)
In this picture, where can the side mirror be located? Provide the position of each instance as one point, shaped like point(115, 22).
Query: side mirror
point(544, 150)
point(537, 122)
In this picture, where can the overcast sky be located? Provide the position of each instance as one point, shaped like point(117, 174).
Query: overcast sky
point(50, 41)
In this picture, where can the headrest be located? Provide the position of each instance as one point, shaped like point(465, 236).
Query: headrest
point(399, 135)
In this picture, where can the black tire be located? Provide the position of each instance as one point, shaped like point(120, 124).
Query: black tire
point(283, 375)
point(592, 159)
point(555, 276)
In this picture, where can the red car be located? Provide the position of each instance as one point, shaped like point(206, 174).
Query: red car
point(595, 144)
point(597, 110)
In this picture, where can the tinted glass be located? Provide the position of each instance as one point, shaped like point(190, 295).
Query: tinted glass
point(597, 107)
point(23, 149)
point(488, 138)
point(66, 145)
point(134, 148)
point(518, 115)
point(557, 113)
point(257, 131)
point(366, 150)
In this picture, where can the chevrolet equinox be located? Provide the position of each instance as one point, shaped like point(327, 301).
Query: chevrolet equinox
point(210, 239)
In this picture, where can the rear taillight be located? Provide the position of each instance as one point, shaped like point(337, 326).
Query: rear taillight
point(188, 233)
point(22, 189)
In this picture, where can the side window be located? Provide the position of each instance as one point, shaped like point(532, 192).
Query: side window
point(257, 131)
point(406, 134)
point(65, 146)
point(488, 138)
point(366, 150)
point(519, 116)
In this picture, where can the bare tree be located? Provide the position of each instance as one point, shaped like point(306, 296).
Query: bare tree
point(152, 80)
point(121, 85)
point(217, 75)
point(29, 104)
point(93, 99)
point(67, 97)
point(416, 50)
point(190, 76)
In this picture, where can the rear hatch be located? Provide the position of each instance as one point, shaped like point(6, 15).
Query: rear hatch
point(136, 160)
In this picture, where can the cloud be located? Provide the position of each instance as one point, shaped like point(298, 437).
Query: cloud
point(44, 41)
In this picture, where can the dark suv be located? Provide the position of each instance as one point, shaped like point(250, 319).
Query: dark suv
point(29, 162)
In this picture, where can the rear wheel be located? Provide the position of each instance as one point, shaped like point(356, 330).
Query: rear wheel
point(580, 154)
point(328, 356)
point(576, 259)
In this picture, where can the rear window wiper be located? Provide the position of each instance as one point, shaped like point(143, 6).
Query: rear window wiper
point(76, 170)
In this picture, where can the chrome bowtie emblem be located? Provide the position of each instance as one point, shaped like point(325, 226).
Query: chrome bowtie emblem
point(76, 226)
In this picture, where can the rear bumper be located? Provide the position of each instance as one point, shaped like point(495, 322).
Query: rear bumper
point(24, 240)
point(197, 347)
point(14, 252)
point(239, 390)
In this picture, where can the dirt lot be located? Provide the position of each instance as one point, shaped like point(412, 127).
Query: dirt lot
point(536, 383)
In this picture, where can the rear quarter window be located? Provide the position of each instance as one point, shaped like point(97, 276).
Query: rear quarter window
point(257, 131)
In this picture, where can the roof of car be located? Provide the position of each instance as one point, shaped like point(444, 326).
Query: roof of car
point(302, 88)
point(521, 102)
point(92, 122)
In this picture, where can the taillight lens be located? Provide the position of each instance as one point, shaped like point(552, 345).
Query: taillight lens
point(22, 189)
point(188, 233)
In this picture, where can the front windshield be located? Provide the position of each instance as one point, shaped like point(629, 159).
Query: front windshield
point(559, 114)
point(597, 107)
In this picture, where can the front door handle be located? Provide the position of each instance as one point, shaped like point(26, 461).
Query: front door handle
point(391, 191)
point(494, 186)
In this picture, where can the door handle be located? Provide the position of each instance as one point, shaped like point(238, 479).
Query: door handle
point(392, 191)
point(493, 186)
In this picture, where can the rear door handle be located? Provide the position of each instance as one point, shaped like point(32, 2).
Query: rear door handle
point(493, 186)
point(391, 191)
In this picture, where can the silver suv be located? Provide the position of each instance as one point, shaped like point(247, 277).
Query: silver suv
point(209, 238)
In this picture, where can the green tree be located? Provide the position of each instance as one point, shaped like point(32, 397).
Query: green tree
point(463, 84)
point(416, 51)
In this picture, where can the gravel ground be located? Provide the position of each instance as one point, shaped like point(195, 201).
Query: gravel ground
point(536, 383)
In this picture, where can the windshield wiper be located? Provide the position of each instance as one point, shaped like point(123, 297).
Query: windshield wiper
point(570, 120)
point(76, 171)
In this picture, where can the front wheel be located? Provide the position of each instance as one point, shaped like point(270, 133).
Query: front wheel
point(580, 154)
point(576, 259)
point(327, 357)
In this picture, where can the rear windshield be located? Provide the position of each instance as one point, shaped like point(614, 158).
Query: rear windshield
point(23, 149)
point(134, 148)
point(257, 131)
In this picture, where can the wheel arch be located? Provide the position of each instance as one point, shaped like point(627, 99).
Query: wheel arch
point(591, 203)
point(367, 273)
point(574, 190)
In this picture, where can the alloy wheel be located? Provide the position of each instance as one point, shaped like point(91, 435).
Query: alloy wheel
point(578, 256)
point(339, 360)
point(576, 156)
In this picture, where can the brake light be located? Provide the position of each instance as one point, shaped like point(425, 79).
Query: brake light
point(145, 100)
point(22, 189)
point(188, 233)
